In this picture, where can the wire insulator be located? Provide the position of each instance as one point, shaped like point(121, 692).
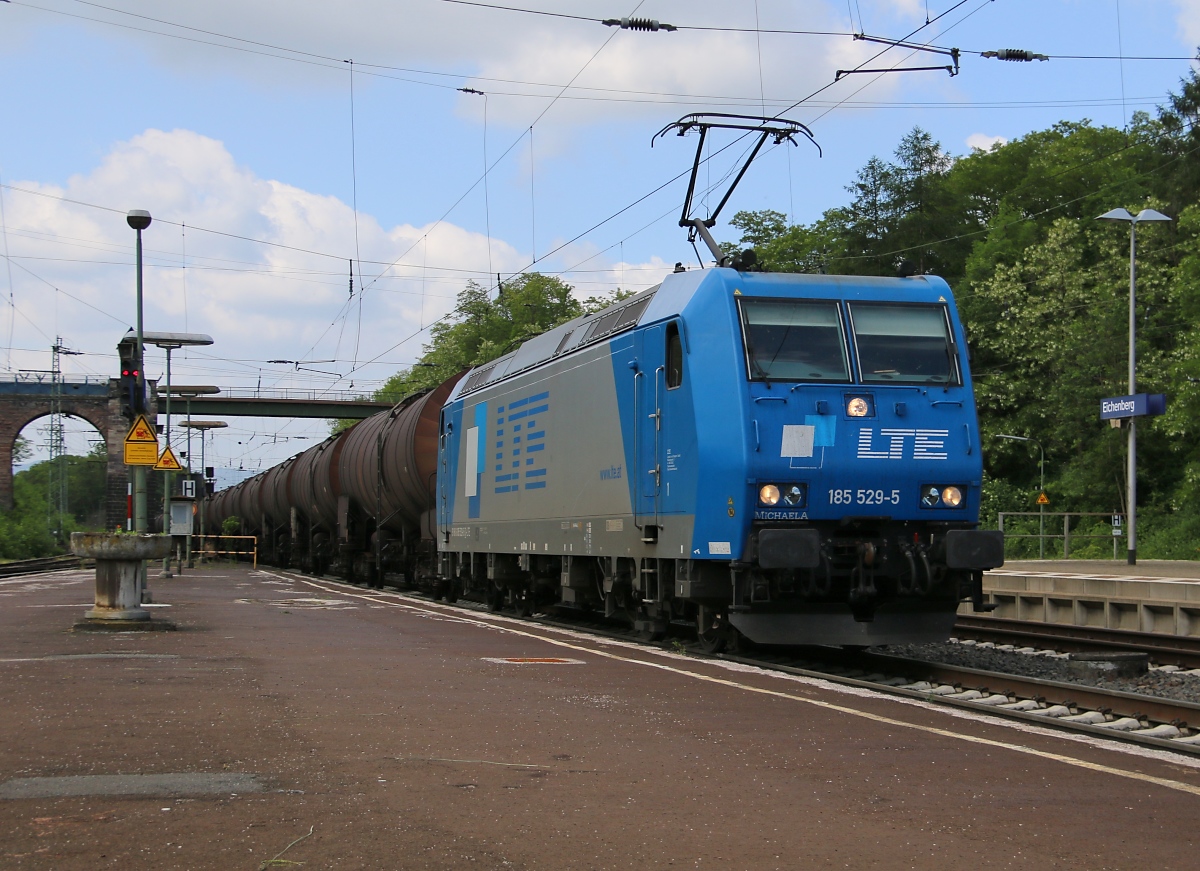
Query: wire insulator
point(1015, 54)
point(650, 24)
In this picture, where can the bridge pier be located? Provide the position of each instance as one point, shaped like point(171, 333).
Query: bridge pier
point(97, 402)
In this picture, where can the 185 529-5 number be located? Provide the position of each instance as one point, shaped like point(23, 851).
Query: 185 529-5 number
point(864, 497)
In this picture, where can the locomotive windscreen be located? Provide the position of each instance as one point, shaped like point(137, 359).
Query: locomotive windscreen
point(794, 340)
point(906, 342)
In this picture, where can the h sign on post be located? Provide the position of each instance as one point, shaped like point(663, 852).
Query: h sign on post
point(189, 488)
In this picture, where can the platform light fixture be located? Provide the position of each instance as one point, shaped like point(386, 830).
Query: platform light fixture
point(138, 220)
point(189, 392)
point(1131, 468)
point(170, 342)
point(204, 426)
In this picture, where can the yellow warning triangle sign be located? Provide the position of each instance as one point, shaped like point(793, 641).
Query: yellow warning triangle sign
point(168, 462)
point(1041, 499)
point(141, 431)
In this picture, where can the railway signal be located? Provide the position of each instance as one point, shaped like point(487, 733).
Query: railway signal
point(133, 401)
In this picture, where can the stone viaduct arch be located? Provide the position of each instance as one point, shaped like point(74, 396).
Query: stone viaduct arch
point(97, 402)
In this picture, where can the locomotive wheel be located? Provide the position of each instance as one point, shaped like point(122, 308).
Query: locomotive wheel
point(495, 597)
point(452, 591)
point(522, 601)
point(712, 630)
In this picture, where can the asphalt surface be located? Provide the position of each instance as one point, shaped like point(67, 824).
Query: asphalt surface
point(298, 724)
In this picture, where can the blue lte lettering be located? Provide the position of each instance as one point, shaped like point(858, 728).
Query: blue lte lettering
point(612, 473)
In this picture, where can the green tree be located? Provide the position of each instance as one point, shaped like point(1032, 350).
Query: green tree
point(481, 328)
point(1043, 290)
point(21, 450)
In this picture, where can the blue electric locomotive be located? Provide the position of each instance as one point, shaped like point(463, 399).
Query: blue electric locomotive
point(795, 458)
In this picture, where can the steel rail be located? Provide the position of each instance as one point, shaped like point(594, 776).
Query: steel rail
point(41, 564)
point(1178, 650)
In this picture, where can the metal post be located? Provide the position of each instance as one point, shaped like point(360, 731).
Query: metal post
point(166, 570)
point(1131, 471)
point(1131, 475)
point(139, 472)
point(1041, 505)
point(138, 220)
point(204, 426)
point(204, 489)
point(190, 562)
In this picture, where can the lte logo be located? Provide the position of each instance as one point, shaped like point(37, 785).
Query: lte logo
point(927, 444)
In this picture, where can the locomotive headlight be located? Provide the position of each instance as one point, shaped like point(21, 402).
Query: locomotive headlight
point(857, 407)
point(930, 496)
point(768, 494)
point(952, 497)
point(793, 495)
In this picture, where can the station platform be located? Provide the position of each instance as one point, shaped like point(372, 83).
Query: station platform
point(1157, 597)
point(294, 722)
point(1152, 569)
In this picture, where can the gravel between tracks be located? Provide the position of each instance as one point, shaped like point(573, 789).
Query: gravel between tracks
point(1180, 686)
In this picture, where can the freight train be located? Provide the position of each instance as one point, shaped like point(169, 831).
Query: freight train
point(792, 459)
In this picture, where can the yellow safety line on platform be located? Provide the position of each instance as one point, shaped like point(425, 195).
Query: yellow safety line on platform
point(1179, 786)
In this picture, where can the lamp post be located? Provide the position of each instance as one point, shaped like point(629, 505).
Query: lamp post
point(139, 219)
point(1041, 489)
point(204, 426)
point(189, 392)
point(1131, 468)
point(170, 342)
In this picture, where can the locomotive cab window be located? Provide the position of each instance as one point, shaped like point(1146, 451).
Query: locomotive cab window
point(674, 357)
point(794, 340)
point(904, 342)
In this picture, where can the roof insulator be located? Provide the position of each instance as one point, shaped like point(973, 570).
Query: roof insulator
point(1014, 54)
point(638, 24)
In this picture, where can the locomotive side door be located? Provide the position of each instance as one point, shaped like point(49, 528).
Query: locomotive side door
point(648, 429)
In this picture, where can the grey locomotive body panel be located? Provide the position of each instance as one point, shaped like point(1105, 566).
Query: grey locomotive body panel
point(546, 465)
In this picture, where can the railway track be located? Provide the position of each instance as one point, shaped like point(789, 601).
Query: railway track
point(1181, 651)
point(1133, 717)
point(42, 564)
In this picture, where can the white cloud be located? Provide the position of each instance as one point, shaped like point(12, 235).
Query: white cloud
point(520, 60)
point(983, 142)
point(1189, 20)
point(259, 301)
point(271, 284)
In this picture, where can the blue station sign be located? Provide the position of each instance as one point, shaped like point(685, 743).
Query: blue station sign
point(1137, 405)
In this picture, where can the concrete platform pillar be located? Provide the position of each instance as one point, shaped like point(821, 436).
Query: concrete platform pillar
point(119, 573)
point(118, 591)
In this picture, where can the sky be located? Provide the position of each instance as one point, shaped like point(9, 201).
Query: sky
point(283, 145)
